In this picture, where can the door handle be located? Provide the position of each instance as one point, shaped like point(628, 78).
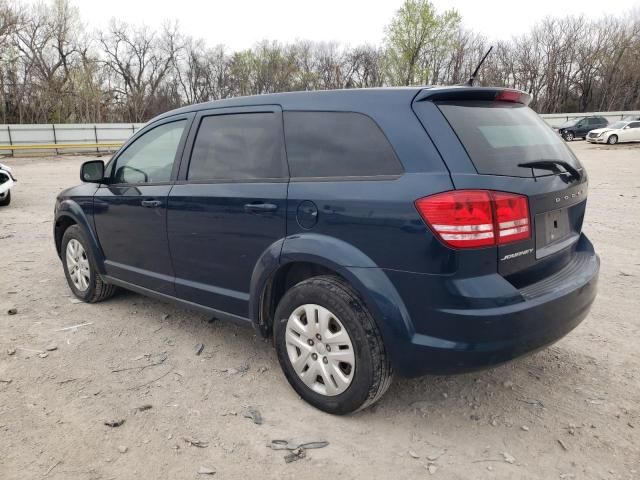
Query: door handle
point(260, 207)
point(151, 203)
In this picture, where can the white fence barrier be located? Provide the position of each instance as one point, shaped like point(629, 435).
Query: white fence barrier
point(106, 137)
point(99, 137)
point(557, 119)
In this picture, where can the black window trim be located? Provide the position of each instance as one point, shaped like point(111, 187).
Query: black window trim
point(182, 176)
point(110, 167)
point(344, 178)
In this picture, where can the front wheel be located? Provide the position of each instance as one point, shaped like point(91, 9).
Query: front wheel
point(80, 268)
point(612, 140)
point(568, 136)
point(329, 347)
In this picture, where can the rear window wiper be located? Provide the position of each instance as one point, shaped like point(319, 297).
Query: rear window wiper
point(553, 166)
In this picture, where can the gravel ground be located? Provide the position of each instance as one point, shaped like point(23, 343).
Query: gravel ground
point(570, 411)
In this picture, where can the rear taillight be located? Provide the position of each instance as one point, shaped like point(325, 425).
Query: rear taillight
point(476, 218)
point(511, 213)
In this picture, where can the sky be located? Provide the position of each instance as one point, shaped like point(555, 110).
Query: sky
point(240, 24)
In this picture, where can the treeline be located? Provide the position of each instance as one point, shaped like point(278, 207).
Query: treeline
point(52, 69)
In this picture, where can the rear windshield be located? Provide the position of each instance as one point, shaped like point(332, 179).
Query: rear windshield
point(500, 135)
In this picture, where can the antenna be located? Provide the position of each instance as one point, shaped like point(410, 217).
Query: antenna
point(472, 78)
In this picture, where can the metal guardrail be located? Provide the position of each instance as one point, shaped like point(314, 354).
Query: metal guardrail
point(557, 119)
point(60, 146)
point(106, 137)
point(76, 138)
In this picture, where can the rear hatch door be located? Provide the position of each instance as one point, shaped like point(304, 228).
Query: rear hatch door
point(490, 139)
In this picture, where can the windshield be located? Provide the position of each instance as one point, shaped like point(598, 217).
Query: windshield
point(500, 135)
point(618, 125)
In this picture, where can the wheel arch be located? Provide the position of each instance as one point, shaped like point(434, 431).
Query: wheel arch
point(70, 213)
point(309, 255)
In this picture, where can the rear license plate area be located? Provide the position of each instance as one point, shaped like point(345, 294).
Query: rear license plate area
point(551, 228)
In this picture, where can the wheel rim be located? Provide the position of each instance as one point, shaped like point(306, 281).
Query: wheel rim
point(569, 136)
point(613, 140)
point(78, 265)
point(320, 350)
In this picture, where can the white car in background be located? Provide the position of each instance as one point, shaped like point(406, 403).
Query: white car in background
point(622, 131)
point(6, 183)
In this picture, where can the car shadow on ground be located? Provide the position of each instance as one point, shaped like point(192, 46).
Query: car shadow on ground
point(518, 391)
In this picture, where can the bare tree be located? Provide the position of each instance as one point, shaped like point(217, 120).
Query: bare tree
point(139, 60)
point(52, 70)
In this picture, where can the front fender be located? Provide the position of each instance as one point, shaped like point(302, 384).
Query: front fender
point(75, 212)
point(372, 283)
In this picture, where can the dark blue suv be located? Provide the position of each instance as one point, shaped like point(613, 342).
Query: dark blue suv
point(369, 232)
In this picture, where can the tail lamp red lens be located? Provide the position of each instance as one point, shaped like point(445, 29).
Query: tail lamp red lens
point(509, 96)
point(476, 218)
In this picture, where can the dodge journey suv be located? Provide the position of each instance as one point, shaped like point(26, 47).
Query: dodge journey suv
point(369, 232)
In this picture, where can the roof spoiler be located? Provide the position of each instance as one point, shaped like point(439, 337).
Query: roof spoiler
point(454, 93)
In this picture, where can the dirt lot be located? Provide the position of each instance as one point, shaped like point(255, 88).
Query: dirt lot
point(570, 411)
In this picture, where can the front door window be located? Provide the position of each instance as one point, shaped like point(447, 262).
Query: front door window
point(150, 158)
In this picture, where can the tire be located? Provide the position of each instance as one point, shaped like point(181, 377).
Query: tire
point(612, 140)
point(568, 136)
point(6, 200)
point(96, 289)
point(370, 371)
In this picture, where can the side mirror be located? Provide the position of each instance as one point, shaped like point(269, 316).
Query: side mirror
point(626, 127)
point(92, 171)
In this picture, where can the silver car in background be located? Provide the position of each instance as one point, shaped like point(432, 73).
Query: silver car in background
point(7, 181)
point(618, 132)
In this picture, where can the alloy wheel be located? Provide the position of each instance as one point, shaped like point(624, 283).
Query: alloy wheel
point(78, 265)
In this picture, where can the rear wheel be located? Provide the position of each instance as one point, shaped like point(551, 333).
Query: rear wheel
point(568, 136)
point(612, 140)
point(6, 200)
point(329, 346)
point(80, 268)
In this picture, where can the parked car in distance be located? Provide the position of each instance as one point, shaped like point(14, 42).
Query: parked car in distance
point(7, 182)
point(622, 131)
point(370, 233)
point(580, 127)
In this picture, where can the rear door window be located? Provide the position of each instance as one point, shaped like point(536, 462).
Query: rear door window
point(240, 146)
point(337, 144)
point(500, 135)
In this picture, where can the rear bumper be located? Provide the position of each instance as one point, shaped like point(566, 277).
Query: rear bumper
point(451, 340)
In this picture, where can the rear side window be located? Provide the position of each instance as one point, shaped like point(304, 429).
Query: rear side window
point(500, 135)
point(337, 144)
point(238, 147)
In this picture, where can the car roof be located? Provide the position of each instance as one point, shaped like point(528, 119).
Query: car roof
point(352, 99)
